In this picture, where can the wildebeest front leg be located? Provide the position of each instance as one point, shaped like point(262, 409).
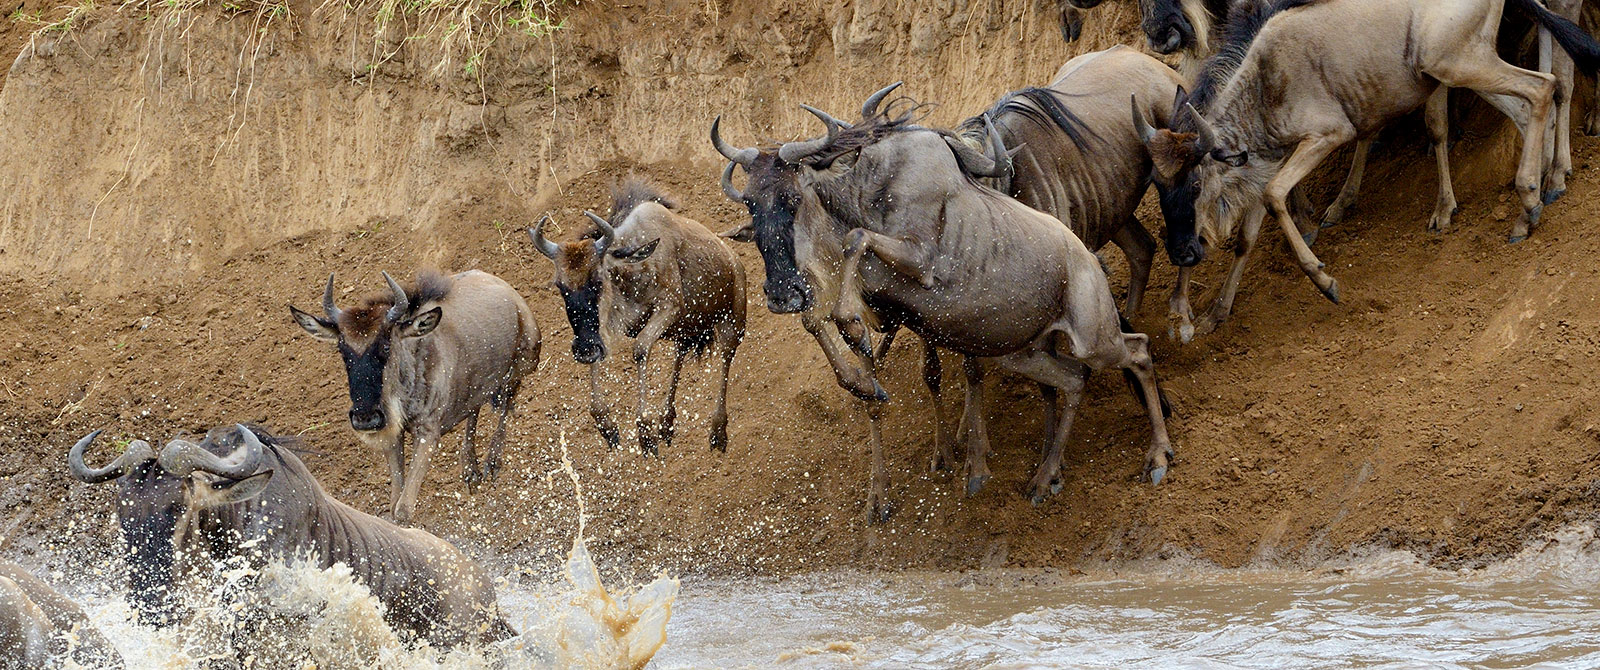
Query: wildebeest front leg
point(1140, 249)
point(1352, 185)
point(504, 404)
point(907, 257)
point(395, 454)
point(1305, 158)
point(977, 433)
point(1222, 305)
point(1161, 453)
point(648, 423)
point(727, 342)
point(469, 454)
point(849, 370)
point(1180, 317)
point(600, 409)
point(878, 508)
point(669, 409)
point(422, 453)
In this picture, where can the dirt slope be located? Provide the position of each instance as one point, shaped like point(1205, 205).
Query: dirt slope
point(152, 238)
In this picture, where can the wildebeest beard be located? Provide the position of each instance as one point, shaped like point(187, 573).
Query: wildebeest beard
point(583, 313)
point(364, 371)
point(773, 199)
point(149, 504)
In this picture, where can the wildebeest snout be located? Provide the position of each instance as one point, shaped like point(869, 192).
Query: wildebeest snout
point(366, 419)
point(1186, 252)
point(788, 295)
point(588, 350)
point(1168, 32)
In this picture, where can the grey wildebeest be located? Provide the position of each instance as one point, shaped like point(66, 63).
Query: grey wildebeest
point(424, 359)
point(40, 628)
point(656, 275)
point(243, 493)
point(963, 266)
point(1294, 89)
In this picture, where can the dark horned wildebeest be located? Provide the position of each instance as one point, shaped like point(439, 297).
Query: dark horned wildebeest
point(964, 267)
point(657, 275)
point(40, 628)
point(148, 503)
point(423, 360)
point(1294, 90)
point(243, 493)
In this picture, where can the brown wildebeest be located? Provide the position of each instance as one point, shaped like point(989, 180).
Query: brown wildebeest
point(963, 266)
point(658, 276)
point(39, 626)
point(243, 493)
point(423, 360)
point(1296, 91)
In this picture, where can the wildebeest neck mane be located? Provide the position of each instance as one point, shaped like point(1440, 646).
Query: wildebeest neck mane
point(869, 131)
point(1243, 25)
point(364, 319)
point(631, 192)
point(1039, 105)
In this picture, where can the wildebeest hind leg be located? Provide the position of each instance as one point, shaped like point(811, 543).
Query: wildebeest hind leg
point(977, 433)
point(469, 454)
point(1306, 157)
point(1438, 120)
point(505, 404)
point(727, 343)
point(933, 377)
point(1140, 249)
point(1061, 383)
point(1352, 185)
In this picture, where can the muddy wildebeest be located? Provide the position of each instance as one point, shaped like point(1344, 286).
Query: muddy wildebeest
point(658, 275)
point(962, 266)
point(40, 627)
point(148, 502)
point(243, 493)
point(424, 360)
point(1295, 90)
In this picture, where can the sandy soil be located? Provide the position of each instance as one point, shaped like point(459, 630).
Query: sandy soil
point(1444, 408)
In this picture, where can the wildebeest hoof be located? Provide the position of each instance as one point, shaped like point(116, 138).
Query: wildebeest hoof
point(719, 439)
point(649, 440)
point(878, 510)
point(1515, 238)
point(1553, 195)
point(1331, 291)
point(1311, 237)
point(473, 477)
point(975, 483)
point(1157, 474)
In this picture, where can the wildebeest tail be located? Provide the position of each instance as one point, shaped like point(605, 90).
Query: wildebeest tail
point(1133, 380)
point(1585, 51)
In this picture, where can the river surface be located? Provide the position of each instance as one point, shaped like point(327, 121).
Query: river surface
point(1389, 611)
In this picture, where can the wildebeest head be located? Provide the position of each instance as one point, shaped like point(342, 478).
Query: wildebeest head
point(1174, 25)
point(580, 279)
point(149, 502)
point(367, 337)
point(772, 196)
point(211, 481)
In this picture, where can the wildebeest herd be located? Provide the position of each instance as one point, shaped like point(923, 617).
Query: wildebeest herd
point(980, 240)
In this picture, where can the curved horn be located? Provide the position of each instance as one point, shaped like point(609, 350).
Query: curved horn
point(1208, 135)
point(869, 108)
point(996, 163)
point(728, 151)
point(794, 152)
point(183, 458)
point(727, 184)
point(997, 149)
point(137, 452)
point(1140, 126)
point(402, 304)
point(607, 233)
point(546, 247)
point(328, 308)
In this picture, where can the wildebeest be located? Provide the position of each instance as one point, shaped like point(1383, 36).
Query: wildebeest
point(963, 266)
point(40, 628)
point(423, 360)
point(656, 275)
point(1296, 90)
point(148, 503)
point(244, 493)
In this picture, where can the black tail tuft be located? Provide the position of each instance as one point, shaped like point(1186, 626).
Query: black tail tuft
point(1133, 380)
point(1585, 51)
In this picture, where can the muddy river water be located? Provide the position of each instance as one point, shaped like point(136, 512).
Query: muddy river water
point(1540, 609)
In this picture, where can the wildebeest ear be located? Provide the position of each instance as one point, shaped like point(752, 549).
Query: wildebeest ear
point(422, 324)
point(638, 253)
point(229, 491)
point(744, 233)
point(1178, 99)
point(319, 327)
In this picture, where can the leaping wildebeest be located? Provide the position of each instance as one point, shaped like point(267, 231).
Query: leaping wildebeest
point(961, 265)
point(655, 275)
point(41, 628)
point(243, 493)
point(423, 360)
point(1298, 88)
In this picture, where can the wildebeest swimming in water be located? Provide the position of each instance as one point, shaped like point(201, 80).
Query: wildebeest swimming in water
point(41, 628)
point(243, 493)
point(655, 275)
point(423, 360)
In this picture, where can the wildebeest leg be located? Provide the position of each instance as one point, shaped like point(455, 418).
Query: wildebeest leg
point(1480, 69)
point(1222, 305)
point(1310, 152)
point(1161, 453)
point(727, 342)
point(933, 376)
point(977, 433)
point(642, 345)
point(1180, 317)
point(396, 456)
point(425, 439)
point(669, 410)
point(907, 257)
point(1352, 185)
point(1140, 249)
point(878, 508)
point(848, 369)
point(601, 410)
point(469, 454)
point(1061, 382)
point(504, 403)
point(1438, 119)
point(1557, 145)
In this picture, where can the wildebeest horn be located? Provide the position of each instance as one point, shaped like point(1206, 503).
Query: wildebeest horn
point(137, 452)
point(728, 151)
point(727, 184)
point(1140, 126)
point(607, 233)
point(546, 247)
point(995, 163)
point(869, 108)
point(328, 309)
point(182, 457)
point(402, 304)
point(1208, 135)
point(794, 152)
